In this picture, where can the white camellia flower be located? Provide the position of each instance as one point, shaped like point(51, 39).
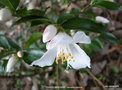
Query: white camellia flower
point(49, 32)
point(64, 48)
point(5, 14)
point(101, 19)
point(11, 63)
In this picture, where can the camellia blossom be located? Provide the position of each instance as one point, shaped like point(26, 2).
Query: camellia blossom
point(5, 14)
point(101, 19)
point(63, 48)
point(49, 32)
point(11, 63)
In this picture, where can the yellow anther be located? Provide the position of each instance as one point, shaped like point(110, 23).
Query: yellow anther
point(69, 54)
point(57, 61)
point(73, 60)
point(64, 60)
point(59, 57)
point(66, 57)
point(72, 57)
point(69, 60)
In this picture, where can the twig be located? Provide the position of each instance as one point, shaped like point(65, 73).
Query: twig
point(17, 76)
point(100, 84)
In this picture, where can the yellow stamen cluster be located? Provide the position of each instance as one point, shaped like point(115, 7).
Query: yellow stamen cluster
point(63, 57)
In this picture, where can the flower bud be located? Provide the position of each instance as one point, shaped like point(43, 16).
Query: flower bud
point(112, 0)
point(49, 32)
point(5, 14)
point(20, 54)
point(11, 63)
point(9, 23)
point(103, 20)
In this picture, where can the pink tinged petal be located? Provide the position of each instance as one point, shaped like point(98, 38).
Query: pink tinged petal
point(81, 59)
point(49, 32)
point(11, 63)
point(60, 39)
point(81, 37)
point(47, 59)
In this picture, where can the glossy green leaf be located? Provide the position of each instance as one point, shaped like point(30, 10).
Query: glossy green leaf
point(5, 53)
point(8, 43)
point(37, 22)
point(83, 24)
point(4, 42)
point(27, 19)
point(108, 5)
point(31, 55)
point(15, 3)
point(11, 4)
point(108, 36)
point(8, 4)
point(97, 43)
point(88, 25)
point(23, 12)
point(33, 38)
point(63, 18)
point(13, 44)
point(3, 64)
point(88, 48)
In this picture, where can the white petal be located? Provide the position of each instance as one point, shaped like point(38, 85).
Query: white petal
point(101, 19)
point(5, 14)
point(81, 37)
point(48, 46)
point(49, 32)
point(59, 39)
point(82, 60)
point(11, 63)
point(47, 59)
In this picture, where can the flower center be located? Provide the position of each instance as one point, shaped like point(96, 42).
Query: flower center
point(64, 55)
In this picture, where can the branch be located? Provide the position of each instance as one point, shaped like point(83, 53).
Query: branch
point(100, 84)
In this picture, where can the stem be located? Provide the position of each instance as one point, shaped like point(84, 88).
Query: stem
point(57, 72)
point(100, 84)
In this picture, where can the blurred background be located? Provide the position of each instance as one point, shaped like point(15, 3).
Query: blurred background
point(23, 32)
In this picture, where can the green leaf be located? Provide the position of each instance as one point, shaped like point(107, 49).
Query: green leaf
point(5, 53)
point(11, 4)
point(37, 22)
point(13, 44)
point(75, 12)
point(63, 18)
point(88, 48)
point(8, 43)
point(97, 43)
point(3, 64)
point(108, 5)
point(15, 3)
point(4, 42)
point(108, 36)
point(83, 24)
point(31, 55)
point(34, 37)
point(115, 69)
point(89, 25)
point(27, 19)
point(23, 12)
point(8, 4)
